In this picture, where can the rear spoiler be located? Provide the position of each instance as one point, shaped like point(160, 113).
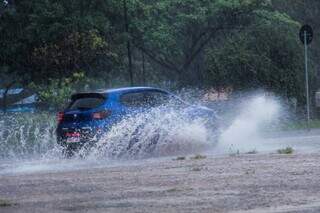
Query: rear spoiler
point(89, 95)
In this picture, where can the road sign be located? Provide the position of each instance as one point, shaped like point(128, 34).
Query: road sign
point(306, 29)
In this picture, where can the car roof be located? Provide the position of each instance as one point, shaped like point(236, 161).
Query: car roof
point(128, 89)
point(121, 90)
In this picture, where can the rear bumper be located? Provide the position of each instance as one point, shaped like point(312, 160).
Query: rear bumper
point(87, 136)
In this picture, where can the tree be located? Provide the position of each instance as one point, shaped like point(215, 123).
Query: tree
point(238, 43)
point(173, 33)
point(263, 55)
point(45, 39)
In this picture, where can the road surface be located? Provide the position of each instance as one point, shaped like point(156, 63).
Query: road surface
point(262, 182)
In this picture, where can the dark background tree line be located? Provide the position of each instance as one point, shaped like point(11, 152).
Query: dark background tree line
point(54, 47)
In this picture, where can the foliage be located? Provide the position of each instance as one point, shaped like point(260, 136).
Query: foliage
point(180, 158)
point(262, 55)
point(75, 51)
point(252, 152)
point(198, 157)
point(300, 125)
point(58, 91)
point(174, 32)
point(286, 151)
point(213, 43)
point(5, 203)
point(41, 40)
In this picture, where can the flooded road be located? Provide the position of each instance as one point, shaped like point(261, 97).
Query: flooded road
point(302, 142)
point(253, 183)
point(211, 182)
point(34, 176)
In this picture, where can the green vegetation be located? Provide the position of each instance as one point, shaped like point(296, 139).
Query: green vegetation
point(301, 125)
point(286, 151)
point(252, 152)
point(196, 169)
point(176, 189)
point(180, 158)
point(173, 190)
point(57, 47)
point(5, 203)
point(234, 153)
point(198, 157)
point(250, 172)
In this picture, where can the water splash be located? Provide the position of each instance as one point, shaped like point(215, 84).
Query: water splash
point(153, 134)
point(246, 131)
point(28, 141)
point(25, 136)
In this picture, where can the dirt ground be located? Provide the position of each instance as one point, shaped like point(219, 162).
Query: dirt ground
point(239, 183)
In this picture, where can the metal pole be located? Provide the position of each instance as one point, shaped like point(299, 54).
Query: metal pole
point(307, 77)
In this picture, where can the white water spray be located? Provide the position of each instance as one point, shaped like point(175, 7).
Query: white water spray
point(28, 142)
point(25, 136)
point(153, 134)
point(245, 132)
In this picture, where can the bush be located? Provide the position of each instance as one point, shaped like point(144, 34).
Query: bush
point(287, 151)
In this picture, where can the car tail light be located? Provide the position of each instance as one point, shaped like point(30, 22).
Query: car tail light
point(73, 134)
point(60, 116)
point(101, 114)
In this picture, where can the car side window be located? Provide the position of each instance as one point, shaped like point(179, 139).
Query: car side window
point(144, 99)
point(155, 98)
point(133, 99)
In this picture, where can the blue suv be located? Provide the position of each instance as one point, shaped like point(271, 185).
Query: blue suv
point(89, 115)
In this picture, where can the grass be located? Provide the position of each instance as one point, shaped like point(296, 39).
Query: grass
point(176, 189)
point(233, 154)
point(300, 125)
point(286, 151)
point(252, 152)
point(250, 171)
point(196, 169)
point(198, 157)
point(5, 203)
point(180, 158)
point(173, 190)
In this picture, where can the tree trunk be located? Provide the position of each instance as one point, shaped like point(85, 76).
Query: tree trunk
point(143, 70)
point(126, 24)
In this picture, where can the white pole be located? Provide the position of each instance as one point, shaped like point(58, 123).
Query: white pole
point(307, 77)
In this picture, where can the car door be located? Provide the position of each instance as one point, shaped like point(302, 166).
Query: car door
point(132, 102)
point(140, 102)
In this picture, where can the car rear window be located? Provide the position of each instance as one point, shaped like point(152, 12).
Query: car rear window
point(86, 101)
